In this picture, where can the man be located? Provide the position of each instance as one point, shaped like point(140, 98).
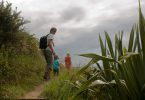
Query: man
point(49, 53)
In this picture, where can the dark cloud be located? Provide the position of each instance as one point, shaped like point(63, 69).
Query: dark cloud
point(84, 39)
point(42, 21)
point(74, 13)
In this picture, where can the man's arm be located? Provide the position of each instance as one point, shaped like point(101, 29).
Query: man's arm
point(53, 43)
point(50, 45)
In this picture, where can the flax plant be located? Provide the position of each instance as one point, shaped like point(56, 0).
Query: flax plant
point(121, 76)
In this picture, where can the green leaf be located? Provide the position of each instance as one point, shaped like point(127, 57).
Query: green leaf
point(98, 57)
point(103, 50)
point(109, 44)
point(142, 31)
point(127, 55)
point(138, 40)
point(84, 68)
point(131, 40)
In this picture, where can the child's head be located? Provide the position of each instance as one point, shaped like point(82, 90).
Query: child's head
point(68, 54)
point(55, 57)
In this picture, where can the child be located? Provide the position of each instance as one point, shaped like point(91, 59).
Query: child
point(68, 61)
point(56, 66)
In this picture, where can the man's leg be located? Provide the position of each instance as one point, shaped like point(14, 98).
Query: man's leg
point(46, 73)
point(49, 73)
point(46, 67)
point(49, 60)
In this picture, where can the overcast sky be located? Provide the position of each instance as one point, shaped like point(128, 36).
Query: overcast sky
point(79, 21)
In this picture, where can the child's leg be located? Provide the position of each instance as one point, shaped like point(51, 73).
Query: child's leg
point(53, 72)
point(57, 72)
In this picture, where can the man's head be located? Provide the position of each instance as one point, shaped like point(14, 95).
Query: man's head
point(53, 30)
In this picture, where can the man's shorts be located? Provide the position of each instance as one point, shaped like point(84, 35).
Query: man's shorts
point(48, 57)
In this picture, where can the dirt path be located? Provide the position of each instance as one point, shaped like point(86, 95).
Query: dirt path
point(34, 94)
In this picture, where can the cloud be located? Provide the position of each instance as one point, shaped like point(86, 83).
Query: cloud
point(40, 21)
point(80, 23)
point(74, 13)
point(85, 40)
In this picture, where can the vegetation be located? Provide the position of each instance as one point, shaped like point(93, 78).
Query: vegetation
point(121, 76)
point(58, 87)
point(11, 25)
point(21, 64)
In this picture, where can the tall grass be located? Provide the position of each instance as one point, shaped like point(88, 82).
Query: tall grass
point(19, 73)
point(58, 88)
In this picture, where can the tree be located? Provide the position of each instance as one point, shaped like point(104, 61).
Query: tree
point(11, 24)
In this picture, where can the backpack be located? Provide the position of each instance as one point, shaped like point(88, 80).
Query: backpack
point(43, 42)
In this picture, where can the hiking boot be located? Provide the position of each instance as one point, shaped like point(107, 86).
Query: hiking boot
point(46, 78)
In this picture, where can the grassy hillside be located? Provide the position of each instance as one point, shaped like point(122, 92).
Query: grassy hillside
point(21, 62)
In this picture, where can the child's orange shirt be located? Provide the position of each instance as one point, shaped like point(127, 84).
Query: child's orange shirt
point(68, 62)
